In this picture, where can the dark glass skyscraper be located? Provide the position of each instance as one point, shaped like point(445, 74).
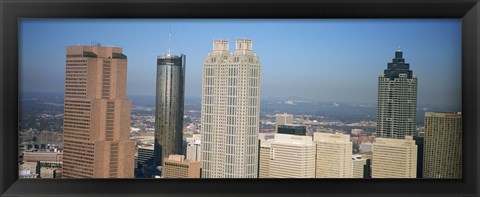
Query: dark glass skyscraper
point(397, 100)
point(169, 106)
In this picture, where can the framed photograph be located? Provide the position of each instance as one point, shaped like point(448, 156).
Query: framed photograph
point(241, 98)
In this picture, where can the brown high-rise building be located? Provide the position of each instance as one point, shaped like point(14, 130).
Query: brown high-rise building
point(97, 114)
point(175, 166)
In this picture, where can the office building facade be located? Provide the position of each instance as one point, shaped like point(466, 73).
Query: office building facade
point(290, 156)
point(169, 103)
point(281, 119)
point(358, 166)
point(264, 159)
point(442, 156)
point(175, 166)
point(334, 155)
point(97, 114)
point(394, 158)
point(230, 111)
point(397, 100)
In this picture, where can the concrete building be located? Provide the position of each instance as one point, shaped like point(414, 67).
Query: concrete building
point(334, 155)
point(291, 156)
point(442, 155)
point(366, 147)
point(230, 111)
point(266, 136)
point(43, 156)
point(194, 150)
point(394, 158)
point(27, 174)
point(282, 119)
point(49, 173)
point(358, 164)
point(175, 166)
point(97, 114)
point(397, 100)
point(170, 96)
point(264, 159)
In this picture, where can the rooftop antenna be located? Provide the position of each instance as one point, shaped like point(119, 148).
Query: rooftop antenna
point(170, 39)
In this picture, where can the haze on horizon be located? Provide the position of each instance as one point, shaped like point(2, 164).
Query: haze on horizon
point(323, 60)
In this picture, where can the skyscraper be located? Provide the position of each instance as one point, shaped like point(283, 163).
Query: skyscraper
point(394, 158)
point(397, 100)
point(442, 155)
point(169, 106)
point(97, 114)
point(230, 111)
point(334, 155)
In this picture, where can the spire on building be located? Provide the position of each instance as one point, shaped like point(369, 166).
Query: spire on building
point(170, 41)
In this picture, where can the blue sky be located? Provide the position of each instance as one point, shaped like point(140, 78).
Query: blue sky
point(324, 60)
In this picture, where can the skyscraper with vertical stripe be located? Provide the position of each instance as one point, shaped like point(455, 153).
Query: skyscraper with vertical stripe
point(230, 111)
point(97, 114)
point(397, 100)
point(169, 106)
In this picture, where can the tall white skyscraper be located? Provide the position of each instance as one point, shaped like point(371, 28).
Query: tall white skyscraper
point(230, 111)
point(394, 158)
point(334, 155)
point(397, 100)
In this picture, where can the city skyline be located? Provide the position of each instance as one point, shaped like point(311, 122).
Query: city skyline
point(312, 53)
point(100, 129)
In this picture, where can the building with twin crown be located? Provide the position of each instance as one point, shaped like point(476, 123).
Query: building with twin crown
point(442, 155)
point(334, 155)
point(397, 100)
point(169, 103)
point(394, 158)
point(230, 111)
point(97, 114)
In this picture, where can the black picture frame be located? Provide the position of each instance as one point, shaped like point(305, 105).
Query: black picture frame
point(13, 10)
